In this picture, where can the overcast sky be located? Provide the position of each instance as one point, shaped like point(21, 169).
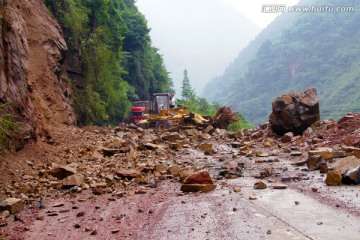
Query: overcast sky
point(252, 9)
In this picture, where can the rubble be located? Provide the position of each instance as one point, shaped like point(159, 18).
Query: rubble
point(128, 163)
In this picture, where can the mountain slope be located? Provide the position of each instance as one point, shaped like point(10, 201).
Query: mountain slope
point(202, 36)
point(303, 49)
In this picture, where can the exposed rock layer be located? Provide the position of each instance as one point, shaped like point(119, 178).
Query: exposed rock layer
point(32, 78)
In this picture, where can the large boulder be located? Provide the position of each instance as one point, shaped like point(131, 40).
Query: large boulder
point(295, 112)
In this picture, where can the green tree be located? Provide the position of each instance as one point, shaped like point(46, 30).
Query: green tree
point(118, 62)
point(187, 92)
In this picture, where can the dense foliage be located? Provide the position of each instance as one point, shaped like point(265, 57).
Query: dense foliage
point(118, 63)
point(318, 49)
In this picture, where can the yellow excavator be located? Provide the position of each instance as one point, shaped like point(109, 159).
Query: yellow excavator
point(162, 116)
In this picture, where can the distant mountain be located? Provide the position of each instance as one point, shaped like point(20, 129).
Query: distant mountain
point(202, 36)
point(297, 50)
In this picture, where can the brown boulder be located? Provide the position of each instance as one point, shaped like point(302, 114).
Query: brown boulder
point(62, 172)
point(295, 112)
point(72, 181)
point(13, 205)
point(200, 181)
point(333, 178)
point(324, 152)
point(202, 177)
point(124, 173)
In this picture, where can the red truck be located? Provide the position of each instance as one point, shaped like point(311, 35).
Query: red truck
point(138, 111)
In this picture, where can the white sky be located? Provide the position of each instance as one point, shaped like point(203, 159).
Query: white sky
point(252, 9)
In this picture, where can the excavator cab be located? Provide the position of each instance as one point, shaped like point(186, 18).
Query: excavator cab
point(159, 104)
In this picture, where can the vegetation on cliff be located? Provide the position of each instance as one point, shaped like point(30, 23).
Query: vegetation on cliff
point(296, 51)
point(118, 63)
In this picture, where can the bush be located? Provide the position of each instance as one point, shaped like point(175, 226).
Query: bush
point(6, 125)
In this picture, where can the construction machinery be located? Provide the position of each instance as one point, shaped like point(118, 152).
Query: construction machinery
point(158, 114)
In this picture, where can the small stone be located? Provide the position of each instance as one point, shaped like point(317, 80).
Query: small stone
point(234, 209)
point(296, 154)
point(76, 225)
point(287, 137)
point(94, 232)
point(260, 185)
point(286, 178)
point(268, 232)
point(253, 197)
point(279, 186)
point(237, 189)
point(297, 202)
point(60, 204)
point(314, 189)
point(80, 214)
point(115, 231)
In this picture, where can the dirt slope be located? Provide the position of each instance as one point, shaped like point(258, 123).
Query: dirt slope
point(32, 77)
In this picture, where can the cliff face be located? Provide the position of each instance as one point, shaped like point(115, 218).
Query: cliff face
point(32, 76)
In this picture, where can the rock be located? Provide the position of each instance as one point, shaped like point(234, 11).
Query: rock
point(207, 148)
point(174, 170)
point(323, 166)
point(333, 178)
point(260, 185)
point(73, 180)
point(339, 154)
point(296, 154)
point(286, 179)
point(257, 134)
point(175, 146)
point(197, 187)
point(232, 165)
point(295, 112)
point(352, 176)
point(325, 153)
point(62, 172)
point(151, 146)
point(40, 216)
point(231, 175)
point(209, 130)
point(280, 186)
point(200, 181)
point(80, 214)
point(185, 173)
point(13, 205)
point(125, 173)
point(171, 137)
point(140, 179)
point(313, 162)
point(162, 167)
point(262, 154)
point(287, 137)
point(345, 164)
point(253, 197)
point(108, 152)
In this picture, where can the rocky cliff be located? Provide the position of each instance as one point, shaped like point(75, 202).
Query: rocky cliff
point(33, 78)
